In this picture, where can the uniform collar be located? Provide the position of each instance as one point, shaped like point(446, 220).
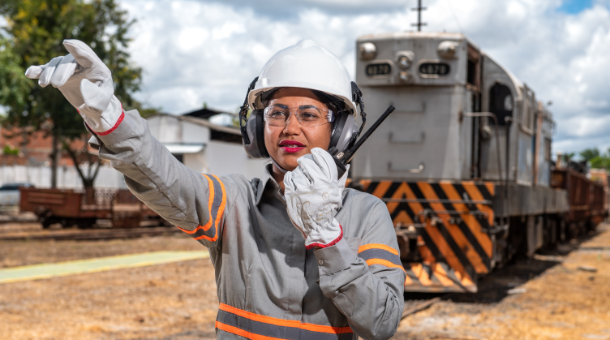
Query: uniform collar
point(267, 182)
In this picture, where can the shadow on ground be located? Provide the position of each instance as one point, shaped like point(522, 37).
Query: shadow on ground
point(495, 286)
point(187, 335)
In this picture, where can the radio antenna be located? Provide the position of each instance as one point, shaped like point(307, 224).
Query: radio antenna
point(419, 24)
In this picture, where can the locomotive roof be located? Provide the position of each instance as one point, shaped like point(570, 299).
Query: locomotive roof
point(418, 35)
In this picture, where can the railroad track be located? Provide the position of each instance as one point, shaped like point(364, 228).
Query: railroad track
point(412, 308)
point(89, 234)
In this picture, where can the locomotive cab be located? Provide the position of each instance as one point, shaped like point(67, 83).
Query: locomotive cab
point(455, 107)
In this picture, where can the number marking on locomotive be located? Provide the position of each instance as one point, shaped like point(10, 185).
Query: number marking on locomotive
point(378, 69)
point(434, 69)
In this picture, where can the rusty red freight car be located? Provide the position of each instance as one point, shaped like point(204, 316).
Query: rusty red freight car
point(101, 207)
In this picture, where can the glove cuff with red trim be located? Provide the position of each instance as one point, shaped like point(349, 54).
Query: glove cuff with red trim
point(324, 237)
point(105, 122)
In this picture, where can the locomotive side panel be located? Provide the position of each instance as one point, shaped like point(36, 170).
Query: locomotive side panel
point(423, 138)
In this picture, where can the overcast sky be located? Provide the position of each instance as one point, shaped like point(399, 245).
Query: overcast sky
point(208, 51)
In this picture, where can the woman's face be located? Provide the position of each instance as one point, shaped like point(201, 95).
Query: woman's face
point(285, 144)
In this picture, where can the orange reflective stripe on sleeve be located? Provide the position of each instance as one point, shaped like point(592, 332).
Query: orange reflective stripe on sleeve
point(216, 205)
point(380, 254)
point(211, 197)
point(210, 201)
point(377, 246)
point(384, 263)
point(221, 209)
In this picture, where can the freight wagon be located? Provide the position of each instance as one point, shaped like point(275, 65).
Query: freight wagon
point(464, 163)
point(85, 209)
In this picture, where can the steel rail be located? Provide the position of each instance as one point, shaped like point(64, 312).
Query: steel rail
point(414, 200)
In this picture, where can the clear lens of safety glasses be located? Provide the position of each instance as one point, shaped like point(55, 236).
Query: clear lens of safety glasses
point(308, 115)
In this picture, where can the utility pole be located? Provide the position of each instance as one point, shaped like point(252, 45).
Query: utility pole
point(419, 24)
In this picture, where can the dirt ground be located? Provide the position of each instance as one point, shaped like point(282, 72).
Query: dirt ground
point(21, 253)
point(169, 301)
point(555, 299)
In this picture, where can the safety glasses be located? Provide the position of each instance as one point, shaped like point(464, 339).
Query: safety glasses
point(307, 115)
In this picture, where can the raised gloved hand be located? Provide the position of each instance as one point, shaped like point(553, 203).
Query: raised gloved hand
point(85, 82)
point(313, 196)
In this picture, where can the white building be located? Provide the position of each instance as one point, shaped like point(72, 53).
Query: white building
point(203, 146)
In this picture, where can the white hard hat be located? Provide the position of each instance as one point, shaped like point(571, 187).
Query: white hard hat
point(305, 65)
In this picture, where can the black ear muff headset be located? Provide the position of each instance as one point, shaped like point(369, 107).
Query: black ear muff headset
point(344, 133)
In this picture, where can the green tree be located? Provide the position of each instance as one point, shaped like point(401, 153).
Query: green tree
point(589, 154)
point(600, 162)
point(33, 36)
point(14, 87)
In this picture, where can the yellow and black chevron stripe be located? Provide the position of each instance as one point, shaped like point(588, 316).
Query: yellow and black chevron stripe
point(453, 220)
point(436, 277)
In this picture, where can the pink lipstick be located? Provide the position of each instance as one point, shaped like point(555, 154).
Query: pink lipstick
point(291, 146)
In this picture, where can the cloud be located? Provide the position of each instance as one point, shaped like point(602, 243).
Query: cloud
point(209, 51)
point(281, 10)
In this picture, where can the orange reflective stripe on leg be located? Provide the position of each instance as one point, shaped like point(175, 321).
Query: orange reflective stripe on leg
point(256, 326)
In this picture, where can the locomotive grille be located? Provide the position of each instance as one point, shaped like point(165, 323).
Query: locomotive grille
point(452, 221)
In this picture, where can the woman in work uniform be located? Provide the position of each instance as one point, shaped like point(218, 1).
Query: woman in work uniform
point(296, 255)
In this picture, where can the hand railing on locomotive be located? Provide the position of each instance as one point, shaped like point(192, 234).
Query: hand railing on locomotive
point(432, 216)
point(503, 179)
point(429, 213)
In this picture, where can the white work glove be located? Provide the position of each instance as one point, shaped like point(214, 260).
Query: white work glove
point(85, 82)
point(313, 196)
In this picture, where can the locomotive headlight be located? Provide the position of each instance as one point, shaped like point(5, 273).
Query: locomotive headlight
point(447, 49)
point(404, 62)
point(404, 75)
point(404, 59)
point(368, 51)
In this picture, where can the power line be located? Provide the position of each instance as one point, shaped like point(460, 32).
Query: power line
point(455, 17)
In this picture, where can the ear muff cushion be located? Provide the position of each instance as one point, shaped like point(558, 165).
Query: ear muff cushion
point(338, 129)
point(260, 133)
point(254, 128)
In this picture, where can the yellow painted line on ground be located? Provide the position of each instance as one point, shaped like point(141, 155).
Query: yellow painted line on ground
point(45, 271)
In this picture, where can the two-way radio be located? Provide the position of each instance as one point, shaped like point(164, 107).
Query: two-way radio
point(343, 158)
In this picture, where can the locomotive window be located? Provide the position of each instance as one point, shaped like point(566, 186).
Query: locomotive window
point(472, 73)
point(508, 103)
point(472, 67)
point(501, 102)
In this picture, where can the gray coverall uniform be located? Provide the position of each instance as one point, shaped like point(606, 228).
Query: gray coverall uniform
point(269, 286)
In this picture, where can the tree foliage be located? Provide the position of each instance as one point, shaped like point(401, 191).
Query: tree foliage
point(589, 154)
point(594, 158)
point(34, 35)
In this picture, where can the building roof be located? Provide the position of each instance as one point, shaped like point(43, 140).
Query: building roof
point(201, 122)
point(217, 132)
point(204, 113)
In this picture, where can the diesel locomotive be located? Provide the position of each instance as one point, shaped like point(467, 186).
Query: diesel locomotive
point(464, 163)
